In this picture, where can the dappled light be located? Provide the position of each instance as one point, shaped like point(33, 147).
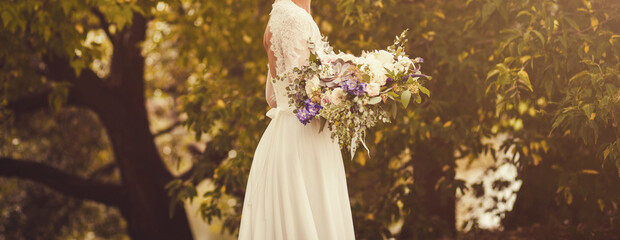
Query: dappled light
point(134, 119)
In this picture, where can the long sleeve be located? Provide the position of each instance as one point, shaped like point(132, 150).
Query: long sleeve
point(270, 94)
point(286, 41)
point(291, 28)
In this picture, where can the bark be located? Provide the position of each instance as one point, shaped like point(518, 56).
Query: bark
point(539, 202)
point(119, 103)
point(106, 193)
point(434, 215)
point(142, 170)
point(29, 103)
point(535, 199)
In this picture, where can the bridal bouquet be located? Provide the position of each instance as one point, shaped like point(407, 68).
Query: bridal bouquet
point(351, 94)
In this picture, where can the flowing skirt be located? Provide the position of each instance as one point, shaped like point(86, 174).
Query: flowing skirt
point(297, 186)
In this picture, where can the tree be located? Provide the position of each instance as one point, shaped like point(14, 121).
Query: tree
point(47, 59)
point(33, 211)
point(489, 61)
point(542, 72)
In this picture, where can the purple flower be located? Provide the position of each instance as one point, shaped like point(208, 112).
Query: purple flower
point(354, 87)
point(348, 84)
point(308, 112)
point(389, 80)
point(360, 89)
point(303, 116)
point(313, 108)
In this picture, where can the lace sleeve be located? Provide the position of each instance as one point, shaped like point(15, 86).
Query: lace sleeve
point(290, 30)
point(270, 95)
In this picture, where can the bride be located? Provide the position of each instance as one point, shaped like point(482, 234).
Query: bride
point(297, 186)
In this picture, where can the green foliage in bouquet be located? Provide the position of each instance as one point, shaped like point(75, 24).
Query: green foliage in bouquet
point(352, 94)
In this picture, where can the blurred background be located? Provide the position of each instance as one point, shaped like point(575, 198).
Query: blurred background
point(136, 119)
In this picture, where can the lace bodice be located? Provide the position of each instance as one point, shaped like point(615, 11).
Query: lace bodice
point(291, 28)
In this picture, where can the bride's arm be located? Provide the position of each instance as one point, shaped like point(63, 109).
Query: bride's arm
point(270, 95)
point(292, 46)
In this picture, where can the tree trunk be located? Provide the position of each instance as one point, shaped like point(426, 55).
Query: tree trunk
point(539, 201)
point(119, 103)
point(434, 216)
point(536, 197)
point(144, 174)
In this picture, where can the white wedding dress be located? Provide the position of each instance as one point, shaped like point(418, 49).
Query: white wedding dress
point(297, 185)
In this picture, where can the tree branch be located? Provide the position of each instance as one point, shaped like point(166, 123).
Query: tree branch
point(87, 89)
point(81, 93)
point(105, 25)
point(168, 129)
point(56, 70)
point(106, 193)
point(29, 103)
point(204, 168)
point(103, 171)
point(572, 31)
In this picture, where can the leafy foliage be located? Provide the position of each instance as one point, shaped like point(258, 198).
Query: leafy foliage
point(543, 72)
point(511, 67)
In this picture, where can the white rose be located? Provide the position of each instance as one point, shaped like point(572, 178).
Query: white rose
point(376, 68)
point(329, 58)
point(325, 70)
point(348, 57)
point(373, 89)
point(379, 77)
point(403, 63)
point(337, 96)
point(385, 57)
point(359, 60)
point(377, 74)
point(326, 98)
point(312, 85)
point(344, 56)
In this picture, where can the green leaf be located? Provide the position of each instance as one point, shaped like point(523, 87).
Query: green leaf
point(487, 10)
point(323, 123)
point(558, 120)
point(540, 36)
point(588, 109)
point(523, 12)
point(405, 98)
point(172, 207)
point(572, 23)
point(492, 73)
point(525, 78)
point(606, 152)
point(394, 109)
point(6, 18)
point(374, 100)
point(392, 95)
point(66, 6)
point(190, 192)
point(578, 75)
point(312, 57)
point(366, 77)
point(425, 90)
point(58, 97)
point(173, 184)
point(47, 33)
